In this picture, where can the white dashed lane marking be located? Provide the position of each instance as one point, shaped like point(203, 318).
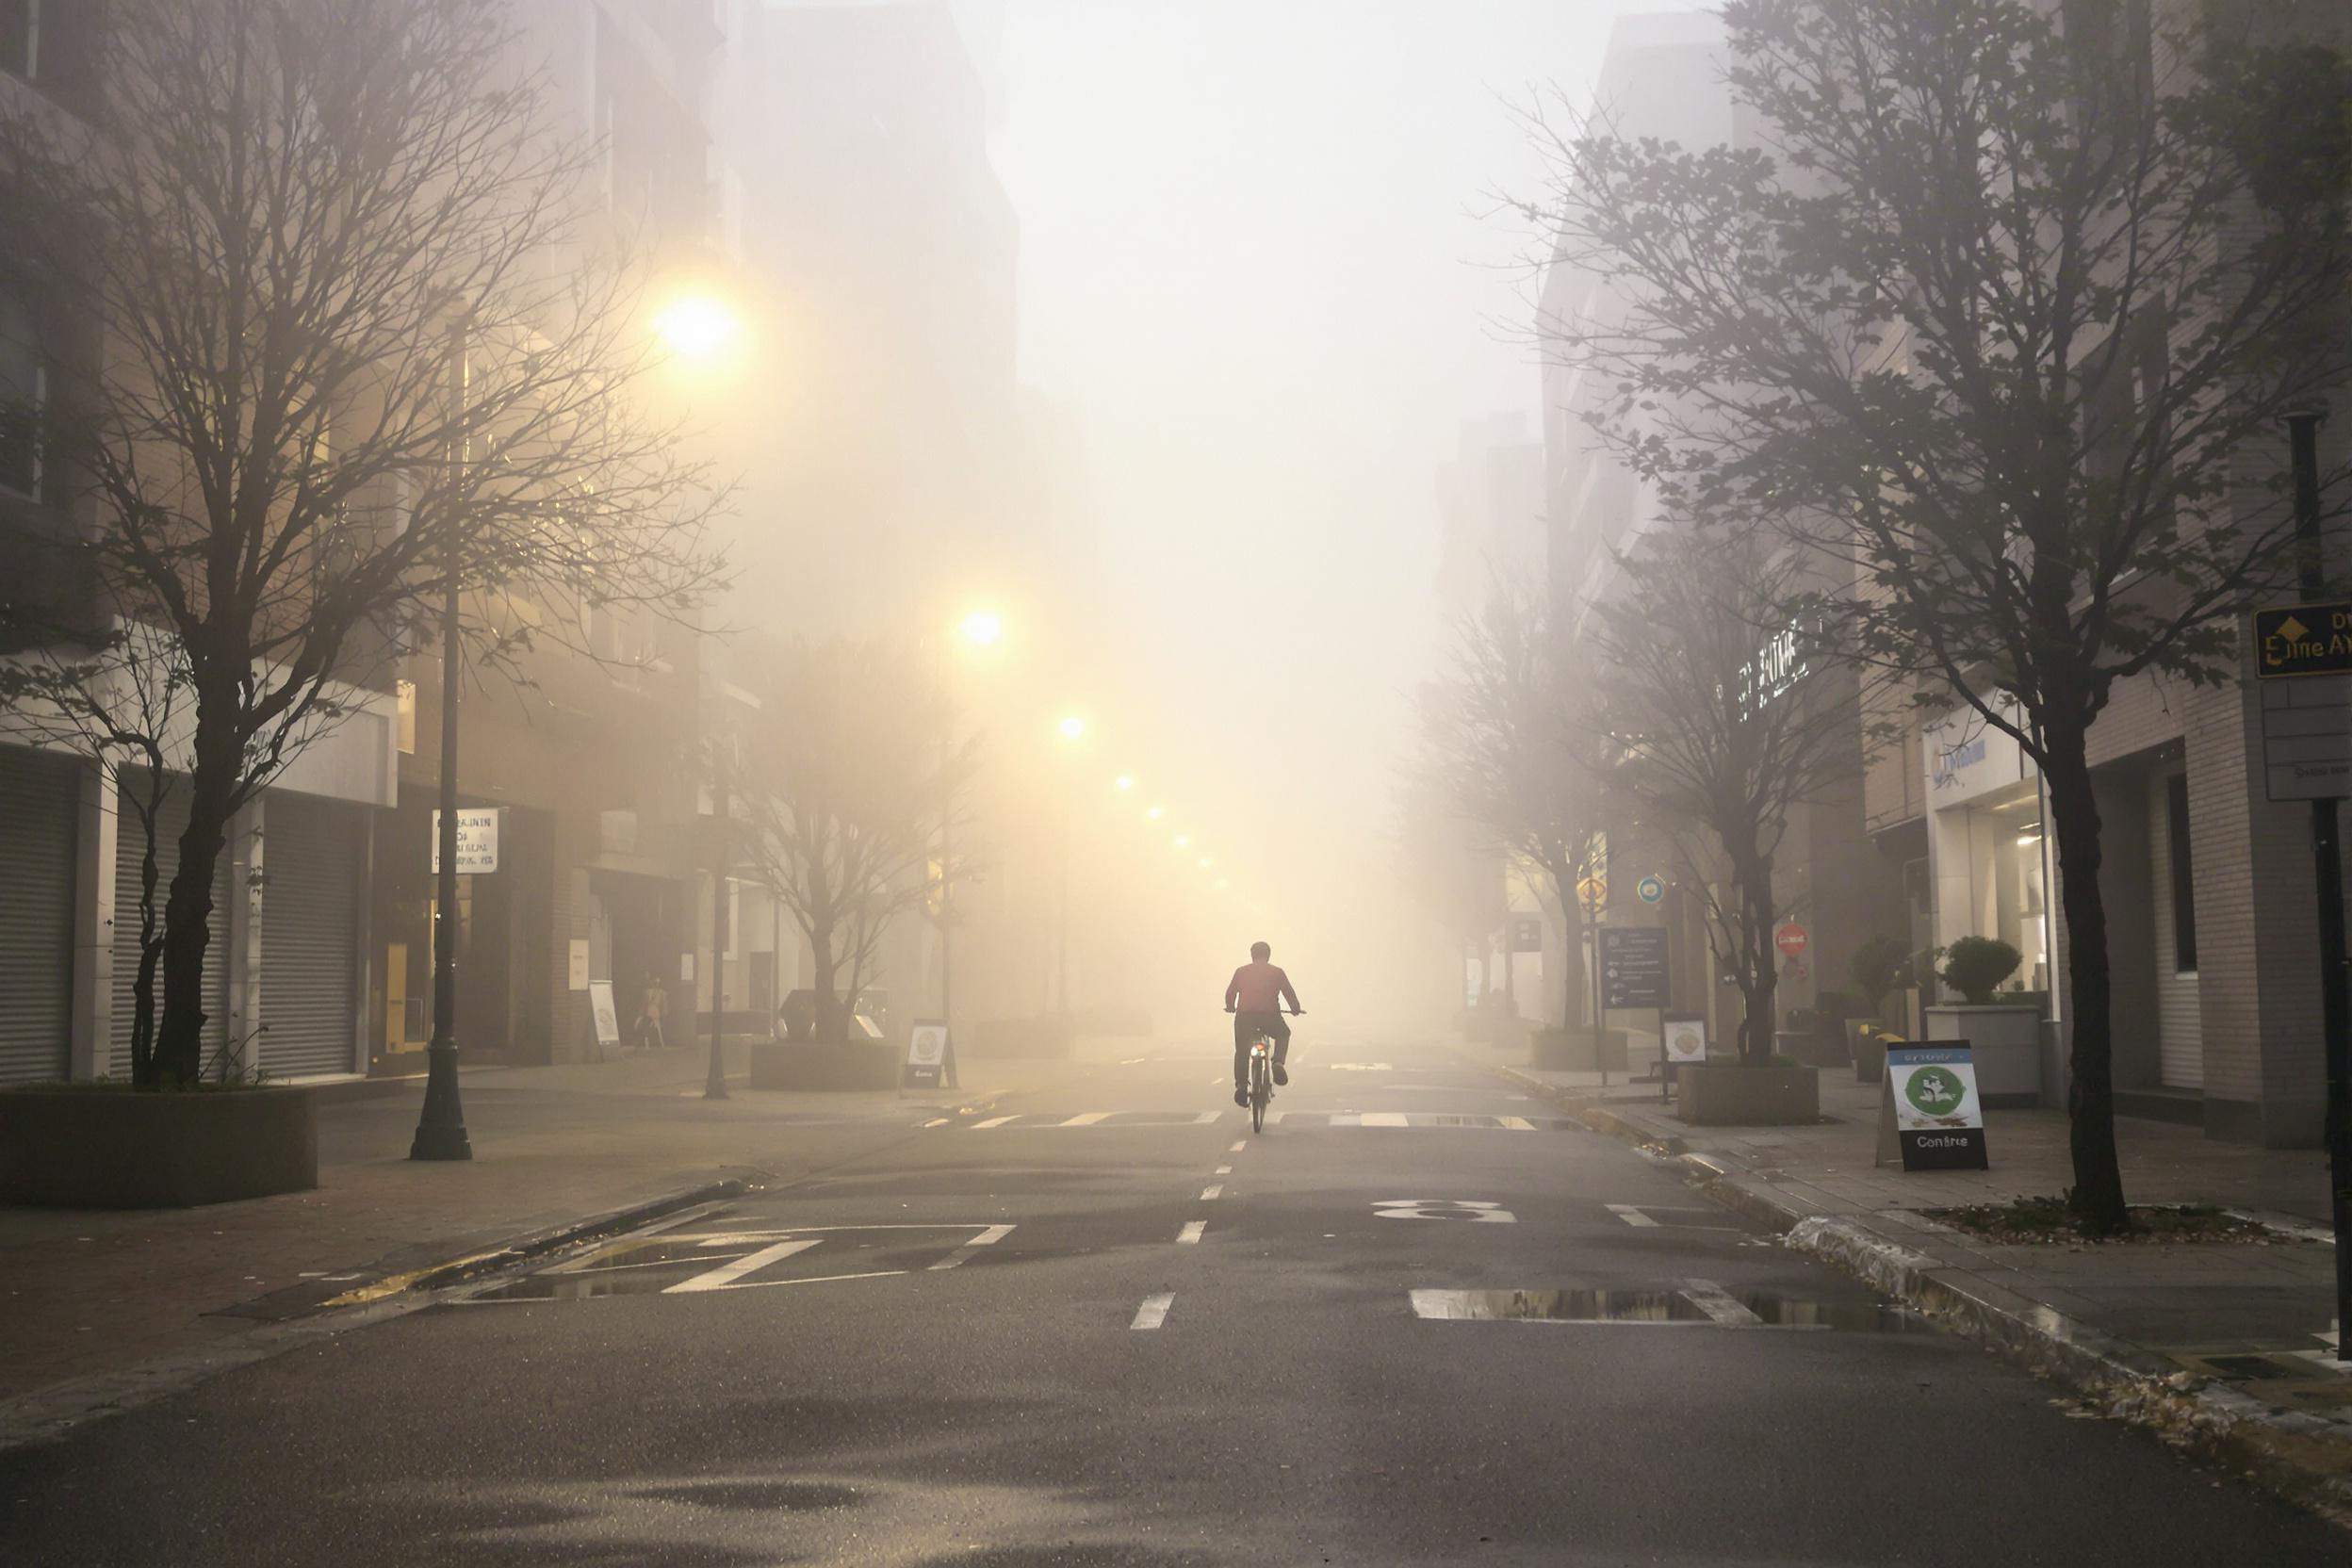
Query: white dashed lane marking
point(1712, 1300)
point(1210, 1194)
point(1192, 1230)
point(1238, 1146)
point(1222, 1170)
point(993, 1121)
point(1086, 1119)
point(1631, 1215)
point(988, 1237)
point(1152, 1313)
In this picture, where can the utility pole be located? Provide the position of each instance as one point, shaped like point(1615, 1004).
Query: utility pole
point(441, 1126)
point(2327, 862)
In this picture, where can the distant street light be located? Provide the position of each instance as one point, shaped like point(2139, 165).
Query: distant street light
point(1124, 782)
point(1155, 813)
point(696, 326)
point(1073, 727)
point(1184, 840)
point(980, 628)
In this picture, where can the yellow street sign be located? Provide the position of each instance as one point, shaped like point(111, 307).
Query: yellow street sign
point(1593, 891)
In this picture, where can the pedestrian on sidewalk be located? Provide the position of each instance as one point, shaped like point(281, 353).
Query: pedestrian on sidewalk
point(649, 1010)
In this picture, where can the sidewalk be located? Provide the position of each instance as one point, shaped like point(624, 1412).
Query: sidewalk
point(89, 1293)
point(2224, 1345)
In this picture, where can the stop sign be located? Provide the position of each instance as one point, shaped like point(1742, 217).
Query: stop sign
point(1792, 939)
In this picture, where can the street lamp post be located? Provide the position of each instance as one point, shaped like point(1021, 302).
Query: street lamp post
point(714, 1081)
point(441, 1125)
point(1073, 730)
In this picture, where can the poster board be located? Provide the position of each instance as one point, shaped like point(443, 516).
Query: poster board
point(1930, 1116)
point(926, 1056)
point(608, 1019)
point(1686, 1038)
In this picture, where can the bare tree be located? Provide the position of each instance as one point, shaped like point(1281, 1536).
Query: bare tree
point(842, 784)
point(1728, 725)
point(1510, 741)
point(357, 343)
point(2006, 313)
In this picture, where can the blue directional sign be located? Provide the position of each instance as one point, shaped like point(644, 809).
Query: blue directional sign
point(1649, 889)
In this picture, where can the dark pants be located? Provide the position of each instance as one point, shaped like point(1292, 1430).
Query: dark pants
point(1247, 1028)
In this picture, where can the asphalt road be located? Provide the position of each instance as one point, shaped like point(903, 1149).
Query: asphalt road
point(1118, 1327)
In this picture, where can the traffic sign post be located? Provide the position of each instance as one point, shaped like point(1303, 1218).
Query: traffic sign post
point(1649, 889)
point(1792, 939)
point(2307, 642)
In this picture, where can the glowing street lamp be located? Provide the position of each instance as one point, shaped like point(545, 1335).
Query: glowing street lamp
point(1184, 840)
point(1155, 813)
point(696, 326)
point(982, 629)
point(1073, 727)
point(1124, 782)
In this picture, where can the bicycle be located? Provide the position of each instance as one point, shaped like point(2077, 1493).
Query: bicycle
point(1260, 1078)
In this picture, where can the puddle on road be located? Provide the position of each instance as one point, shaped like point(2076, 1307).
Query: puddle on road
point(1770, 1309)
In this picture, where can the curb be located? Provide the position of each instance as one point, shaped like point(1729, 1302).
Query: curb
point(537, 1243)
point(2305, 1458)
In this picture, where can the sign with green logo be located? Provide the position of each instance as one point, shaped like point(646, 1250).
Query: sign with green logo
point(1929, 1116)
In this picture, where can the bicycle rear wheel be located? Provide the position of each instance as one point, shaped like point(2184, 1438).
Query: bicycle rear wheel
point(1260, 1092)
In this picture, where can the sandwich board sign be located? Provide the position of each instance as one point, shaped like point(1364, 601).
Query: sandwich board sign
point(1686, 1038)
point(1930, 1116)
point(926, 1054)
point(608, 1018)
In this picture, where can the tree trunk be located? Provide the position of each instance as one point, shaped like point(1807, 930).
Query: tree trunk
point(1760, 994)
point(144, 1073)
point(187, 913)
point(2098, 1195)
point(1571, 946)
point(831, 1027)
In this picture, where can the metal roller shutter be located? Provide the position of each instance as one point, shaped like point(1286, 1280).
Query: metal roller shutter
point(38, 808)
point(309, 936)
point(130, 842)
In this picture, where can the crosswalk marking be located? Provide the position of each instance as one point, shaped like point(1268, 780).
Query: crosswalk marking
point(1152, 1313)
point(1631, 1215)
point(1143, 1121)
point(727, 1274)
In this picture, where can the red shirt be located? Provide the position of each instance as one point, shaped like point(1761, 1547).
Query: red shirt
point(1257, 988)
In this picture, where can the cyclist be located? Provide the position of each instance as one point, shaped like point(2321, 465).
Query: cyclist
point(1254, 997)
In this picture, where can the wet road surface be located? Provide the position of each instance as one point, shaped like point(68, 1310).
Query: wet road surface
point(1417, 1321)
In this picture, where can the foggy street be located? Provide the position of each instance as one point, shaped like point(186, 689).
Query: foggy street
point(681, 679)
point(1107, 1325)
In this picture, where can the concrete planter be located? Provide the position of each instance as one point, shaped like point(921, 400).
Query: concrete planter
point(2005, 1040)
point(1571, 1051)
point(1729, 1095)
point(110, 1148)
point(859, 1065)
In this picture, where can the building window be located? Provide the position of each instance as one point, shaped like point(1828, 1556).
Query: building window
point(23, 391)
point(2183, 883)
point(19, 38)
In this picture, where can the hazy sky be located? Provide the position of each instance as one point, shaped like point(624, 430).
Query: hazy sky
point(1252, 266)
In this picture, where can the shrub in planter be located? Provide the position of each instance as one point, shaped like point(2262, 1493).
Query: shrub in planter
point(1877, 971)
point(1976, 966)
